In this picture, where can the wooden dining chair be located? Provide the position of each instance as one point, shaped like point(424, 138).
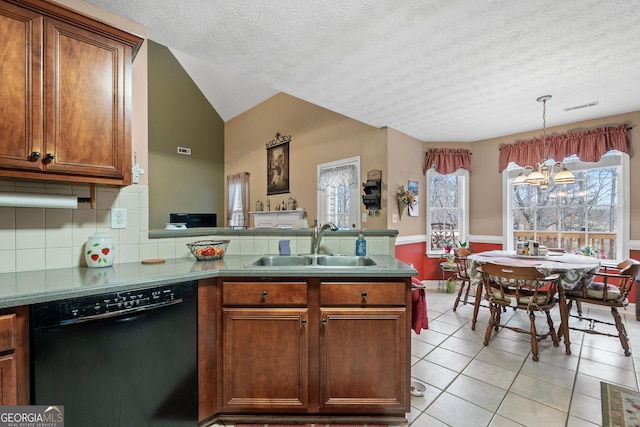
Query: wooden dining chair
point(462, 275)
point(523, 288)
point(610, 291)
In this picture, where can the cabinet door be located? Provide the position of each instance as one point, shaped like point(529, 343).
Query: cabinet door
point(20, 87)
point(265, 359)
point(363, 360)
point(8, 380)
point(84, 105)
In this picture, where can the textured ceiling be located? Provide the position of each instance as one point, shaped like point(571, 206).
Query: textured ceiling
point(438, 70)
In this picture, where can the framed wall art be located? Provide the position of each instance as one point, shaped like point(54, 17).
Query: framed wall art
point(278, 165)
point(414, 207)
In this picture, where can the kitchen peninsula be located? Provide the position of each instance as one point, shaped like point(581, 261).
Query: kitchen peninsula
point(315, 343)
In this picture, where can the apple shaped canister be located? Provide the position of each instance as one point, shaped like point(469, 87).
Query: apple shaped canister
point(99, 250)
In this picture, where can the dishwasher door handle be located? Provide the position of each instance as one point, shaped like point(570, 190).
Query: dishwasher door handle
point(119, 313)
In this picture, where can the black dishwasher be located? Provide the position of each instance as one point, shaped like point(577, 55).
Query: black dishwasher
point(120, 359)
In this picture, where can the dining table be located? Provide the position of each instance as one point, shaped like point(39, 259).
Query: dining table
point(573, 270)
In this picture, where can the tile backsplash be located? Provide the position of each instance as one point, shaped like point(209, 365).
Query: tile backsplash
point(39, 238)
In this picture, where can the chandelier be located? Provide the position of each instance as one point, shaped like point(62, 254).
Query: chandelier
point(540, 175)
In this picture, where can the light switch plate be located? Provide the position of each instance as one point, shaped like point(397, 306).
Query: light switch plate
point(394, 217)
point(118, 218)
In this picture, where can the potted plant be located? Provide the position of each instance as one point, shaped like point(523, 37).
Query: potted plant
point(447, 245)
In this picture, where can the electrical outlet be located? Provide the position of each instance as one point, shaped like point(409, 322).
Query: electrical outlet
point(118, 218)
point(364, 217)
point(184, 150)
point(394, 218)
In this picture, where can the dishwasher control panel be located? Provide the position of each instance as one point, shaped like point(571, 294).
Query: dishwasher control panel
point(95, 306)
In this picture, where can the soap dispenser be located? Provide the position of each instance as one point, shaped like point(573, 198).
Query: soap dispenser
point(361, 245)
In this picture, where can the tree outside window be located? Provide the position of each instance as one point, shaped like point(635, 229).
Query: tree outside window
point(588, 213)
point(447, 214)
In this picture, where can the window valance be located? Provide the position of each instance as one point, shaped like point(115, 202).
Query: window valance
point(588, 145)
point(447, 160)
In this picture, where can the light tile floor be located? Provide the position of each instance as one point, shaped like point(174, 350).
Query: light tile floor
point(468, 384)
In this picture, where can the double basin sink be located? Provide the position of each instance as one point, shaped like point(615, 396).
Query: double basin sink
point(312, 261)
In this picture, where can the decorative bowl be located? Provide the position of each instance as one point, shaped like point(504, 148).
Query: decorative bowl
point(208, 250)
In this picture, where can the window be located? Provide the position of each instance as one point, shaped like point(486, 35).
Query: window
point(591, 212)
point(339, 193)
point(237, 199)
point(447, 213)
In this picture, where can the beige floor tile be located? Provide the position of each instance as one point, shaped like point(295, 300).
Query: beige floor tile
point(614, 356)
point(542, 392)
point(500, 383)
point(587, 385)
point(449, 359)
point(420, 349)
point(443, 327)
point(530, 413)
point(492, 374)
point(512, 346)
point(432, 337)
point(478, 392)
point(579, 422)
point(430, 373)
point(612, 374)
point(549, 373)
point(467, 348)
point(510, 361)
point(586, 407)
point(426, 420)
point(500, 421)
point(455, 411)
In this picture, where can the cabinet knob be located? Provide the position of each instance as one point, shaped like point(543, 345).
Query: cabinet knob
point(304, 322)
point(364, 294)
point(35, 155)
point(49, 156)
point(263, 294)
point(323, 321)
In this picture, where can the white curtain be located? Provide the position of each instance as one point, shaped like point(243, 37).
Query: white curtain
point(346, 175)
point(237, 193)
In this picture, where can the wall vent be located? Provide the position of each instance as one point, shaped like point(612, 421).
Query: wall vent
point(577, 107)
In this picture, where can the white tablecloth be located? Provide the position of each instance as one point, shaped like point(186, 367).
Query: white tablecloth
point(574, 270)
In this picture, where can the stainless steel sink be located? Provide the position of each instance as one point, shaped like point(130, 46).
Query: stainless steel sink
point(312, 261)
point(345, 261)
point(281, 261)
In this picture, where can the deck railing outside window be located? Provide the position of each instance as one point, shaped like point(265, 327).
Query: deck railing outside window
point(572, 241)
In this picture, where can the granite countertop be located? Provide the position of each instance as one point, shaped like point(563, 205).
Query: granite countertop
point(30, 287)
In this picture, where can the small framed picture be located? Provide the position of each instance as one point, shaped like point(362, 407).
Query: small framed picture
point(412, 187)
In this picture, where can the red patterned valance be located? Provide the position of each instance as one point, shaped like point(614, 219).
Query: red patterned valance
point(447, 160)
point(588, 145)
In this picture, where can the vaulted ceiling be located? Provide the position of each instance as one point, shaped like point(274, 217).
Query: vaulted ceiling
point(438, 70)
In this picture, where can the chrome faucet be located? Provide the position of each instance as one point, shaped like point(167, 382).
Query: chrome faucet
point(318, 232)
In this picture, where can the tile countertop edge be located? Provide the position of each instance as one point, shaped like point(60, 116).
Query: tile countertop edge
point(32, 287)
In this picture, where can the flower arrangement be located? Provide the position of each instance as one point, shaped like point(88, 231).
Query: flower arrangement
point(405, 198)
point(590, 251)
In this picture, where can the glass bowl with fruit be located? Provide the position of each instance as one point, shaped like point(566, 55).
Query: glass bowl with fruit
point(208, 250)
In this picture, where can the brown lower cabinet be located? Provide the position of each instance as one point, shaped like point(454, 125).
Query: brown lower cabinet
point(304, 349)
point(14, 356)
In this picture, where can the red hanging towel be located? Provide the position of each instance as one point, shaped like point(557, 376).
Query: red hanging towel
point(419, 318)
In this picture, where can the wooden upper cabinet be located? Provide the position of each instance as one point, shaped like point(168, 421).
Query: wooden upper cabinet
point(20, 87)
point(68, 96)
